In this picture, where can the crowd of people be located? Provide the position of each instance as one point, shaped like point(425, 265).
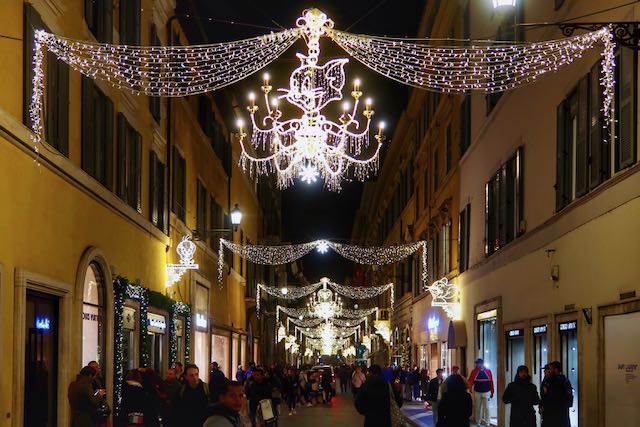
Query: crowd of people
point(259, 395)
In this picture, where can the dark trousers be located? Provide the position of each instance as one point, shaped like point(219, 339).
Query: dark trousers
point(291, 401)
point(344, 385)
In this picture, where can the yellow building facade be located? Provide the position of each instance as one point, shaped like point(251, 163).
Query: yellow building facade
point(110, 195)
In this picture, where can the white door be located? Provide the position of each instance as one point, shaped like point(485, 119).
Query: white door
point(622, 370)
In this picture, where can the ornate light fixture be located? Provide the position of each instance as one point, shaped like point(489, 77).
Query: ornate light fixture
point(186, 249)
point(311, 145)
point(446, 295)
point(324, 305)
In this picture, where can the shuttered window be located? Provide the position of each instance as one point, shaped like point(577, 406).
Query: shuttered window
point(179, 185)
point(56, 96)
point(98, 15)
point(215, 221)
point(130, 22)
point(504, 203)
point(465, 122)
point(157, 193)
point(584, 150)
point(201, 209)
point(129, 164)
point(97, 133)
point(626, 92)
point(463, 238)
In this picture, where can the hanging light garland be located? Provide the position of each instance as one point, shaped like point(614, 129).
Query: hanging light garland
point(311, 145)
point(372, 255)
point(487, 66)
point(304, 312)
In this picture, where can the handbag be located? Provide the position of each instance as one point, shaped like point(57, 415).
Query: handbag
point(397, 419)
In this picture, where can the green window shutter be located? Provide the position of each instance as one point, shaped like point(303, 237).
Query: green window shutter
point(88, 122)
point(63, 108)
point(582, 147)
point(562, 156)
point(598, 146)
point(626, 109)
point(107, 161)
point(153, 188)
point(121, 165)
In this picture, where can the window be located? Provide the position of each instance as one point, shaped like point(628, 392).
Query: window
point(447, 150)
point(585, 156)
point(201, 209)
point(93, 318)
point(179, 184)
point(465, 124)
point(215, 220)
point(155, 101)
point(99, 17)
point(129, 162)
point(56, 96)
point(130, 22)
point(157, 211)
point(463, 238)
point(504, 203)
point(445, 249)
point(436, 172)
point(97, 133)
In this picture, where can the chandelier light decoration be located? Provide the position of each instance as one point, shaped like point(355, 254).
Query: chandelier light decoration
point(446, 295)
point(302, 313)
point(311, 145)
point(186, 249)
point(296, 145)
point(323, 305)
point(276, 255)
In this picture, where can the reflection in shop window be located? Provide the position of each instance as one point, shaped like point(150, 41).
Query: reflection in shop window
point(569, 359)
point(93, 334)
point(488, 351)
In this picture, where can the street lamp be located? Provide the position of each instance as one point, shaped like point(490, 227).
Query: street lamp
point(503, 3)
point(236, 217)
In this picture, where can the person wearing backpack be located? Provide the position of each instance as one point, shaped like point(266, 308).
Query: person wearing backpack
point(193, 399)
point(557, 398)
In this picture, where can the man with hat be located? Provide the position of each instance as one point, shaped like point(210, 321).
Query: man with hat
point(481, 383)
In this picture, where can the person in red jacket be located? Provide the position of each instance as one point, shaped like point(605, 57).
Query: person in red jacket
point(481, 383)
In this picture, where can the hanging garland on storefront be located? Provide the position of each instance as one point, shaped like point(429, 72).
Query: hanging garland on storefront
point(124, 290)
point(174, 309)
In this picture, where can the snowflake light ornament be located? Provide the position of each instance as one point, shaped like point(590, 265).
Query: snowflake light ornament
point(309, 173)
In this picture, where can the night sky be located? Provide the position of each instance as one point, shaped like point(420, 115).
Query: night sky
point(310, 211)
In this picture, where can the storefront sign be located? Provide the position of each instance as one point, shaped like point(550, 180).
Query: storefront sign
point(201, 321)
point(515, 333)
point(43, 323)
point(157, 323)
point(568, 326)
point(433, 323)
point(491, 314)
point(539, 330)
point(91, 317)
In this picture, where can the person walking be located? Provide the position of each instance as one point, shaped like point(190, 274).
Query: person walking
point(375, 399)
point(481, 382)
point(303, 382)
point(226, 413)
point(522, 394)
point(170, 391)
point(433, 395)
point(455, 406)
point(424, 384)
point(291, 389)
point(216, 380)
point(134, 400)
point(193, 399)
point(344, 375)
point(256, 389)
point(83, 400)
point(357, 380)
point(557, 398)
point(240, 374)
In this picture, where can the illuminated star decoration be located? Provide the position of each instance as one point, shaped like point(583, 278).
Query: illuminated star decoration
point(323, 247)
point(309, 173)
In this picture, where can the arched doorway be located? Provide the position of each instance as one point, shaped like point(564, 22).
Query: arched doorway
point(93, 317)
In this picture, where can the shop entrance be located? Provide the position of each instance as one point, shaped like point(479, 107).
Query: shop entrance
point(514, 352)
point(540, 358)
point(488, 351)
point(569, 358)
point(41, 360)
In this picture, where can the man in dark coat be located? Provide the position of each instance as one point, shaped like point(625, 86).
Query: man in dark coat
point(257, 388)
point(193, 400)
point(83, 400)
point(557, 398)
point(374, 400)
point(433, 395)
point(454, 408)
point(522, 394)
point(216, 380)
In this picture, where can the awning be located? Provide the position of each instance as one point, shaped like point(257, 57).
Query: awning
point(457, 334)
